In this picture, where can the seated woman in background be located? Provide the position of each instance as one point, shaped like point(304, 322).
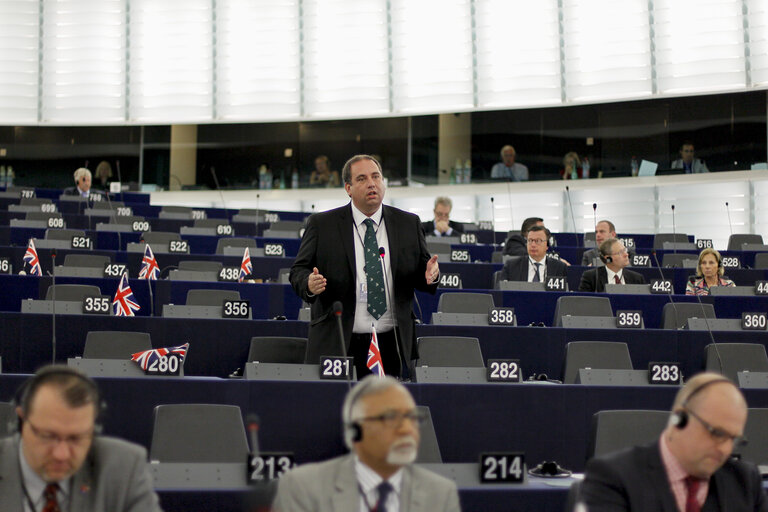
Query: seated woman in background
point(709, 273)
point(572, 169)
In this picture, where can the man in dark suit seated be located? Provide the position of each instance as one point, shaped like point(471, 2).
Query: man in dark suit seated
point(689, 468)
point(603, 231)
point(82, 186)
point(616, 259)
point(57, 460)
point(442, 225)
point(381, 428)
point(536, 266)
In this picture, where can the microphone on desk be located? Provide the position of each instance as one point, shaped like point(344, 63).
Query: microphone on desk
point(391, 305)
point(53, 308)
point(674, 232)
point(252, 424)
point(338, 308)
point(573, 217)
point(493, 223)
point(728, 211)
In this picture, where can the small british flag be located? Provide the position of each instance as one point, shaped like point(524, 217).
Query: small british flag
point(149, 267)
point(145, 358)
point(30, 257)
point(124, 303)
point(246, 268)
point(374, 356)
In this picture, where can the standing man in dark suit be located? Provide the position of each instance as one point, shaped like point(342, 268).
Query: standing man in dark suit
point(442, 225)
point(381, 429)
point(338, 258)
point(616, 259)
point(689, 468)
point(57, 461)
point(536, 267)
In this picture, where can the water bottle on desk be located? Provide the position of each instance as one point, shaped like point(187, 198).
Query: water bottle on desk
point(585, 168)
point(635, 166)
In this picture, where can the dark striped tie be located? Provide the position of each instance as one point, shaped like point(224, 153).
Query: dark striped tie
point(377, 299)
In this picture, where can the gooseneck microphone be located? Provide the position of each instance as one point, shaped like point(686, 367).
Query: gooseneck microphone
point(674, 232)
point(493, 222)
point(221, 194)
point(392, 305)
point(337, 310)
point(53, 309)
point(594, 214)
point(573, 217)
point(252, 424)
point(658, 267)
point(728, 211)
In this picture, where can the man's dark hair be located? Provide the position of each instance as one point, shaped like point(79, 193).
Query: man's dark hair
point(528, 223)
point(611, 227)
point(76, 388)
point(687, 143)
point(536, 229)
point(346, 171)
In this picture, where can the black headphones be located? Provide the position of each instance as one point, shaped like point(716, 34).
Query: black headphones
point(48, 374)
point(680, 418)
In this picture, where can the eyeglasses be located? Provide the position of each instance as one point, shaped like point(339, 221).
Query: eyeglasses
point(719, 435)
point(51, 439)
point(393, 419)
point(536, 241)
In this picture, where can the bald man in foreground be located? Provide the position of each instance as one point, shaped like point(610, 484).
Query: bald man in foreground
point(689, 469)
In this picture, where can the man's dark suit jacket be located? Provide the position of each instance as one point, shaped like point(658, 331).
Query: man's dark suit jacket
point(429, 227)
point(328, 244)
point(635, 480)
point(516, 269)
point(595, 279)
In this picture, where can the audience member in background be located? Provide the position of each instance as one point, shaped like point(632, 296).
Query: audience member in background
point(689, 468)
point(709, 273)
point(103, 174)
point(572, 169)
point(58, 460)
point(508, 169)
point(323, 176)
point(517, 245)
point(381, 429)
point(82, 186)
point(616, 259)
point(688, 162)
point(603, 231)
point(442, 225)
point(537, 266)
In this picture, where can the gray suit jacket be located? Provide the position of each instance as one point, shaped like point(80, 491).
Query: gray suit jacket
point(332, 485)
point(114, 478)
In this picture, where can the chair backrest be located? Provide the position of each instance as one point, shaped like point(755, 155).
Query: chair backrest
point(7, 419)
point(429, 450)
point(204, 297)
point(86, 260)
point(461, 302)
point(735, 240)
point(675, 315)
point(234, 242)
point(756, 430)
point(581, 305)
point(660, 238)
point(615, 430)
point(277, 349)
point(497, 257)
point(176, 209)
point(159, 238)
point(72, 292)
point(198, 433)
point(115, 344)
point(287, 225)
point(598, 355)
point(34, 201)
point(678, 260)
point(63, 234)
point(449, 351)
point(200, 266)
point(126, 219)
point(736, 357)
point(761, 260)
point(209, 223)
point(42, 215)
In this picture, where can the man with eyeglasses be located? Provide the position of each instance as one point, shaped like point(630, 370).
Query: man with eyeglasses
point(616, 258)
point(442, 225)
point(689, 468)
point(57, 462)
point(536, 267)
point(381, 428)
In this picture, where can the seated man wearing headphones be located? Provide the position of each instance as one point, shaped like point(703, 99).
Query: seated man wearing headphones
point(82, 186)
point(57, 461)
point(536, 267)
point(616, 259)
point(690, 467)
point(381, 427)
